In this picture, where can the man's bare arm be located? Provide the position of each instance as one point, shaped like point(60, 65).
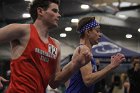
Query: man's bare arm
point(90, 78)
point(80, 58)
point(11, 32)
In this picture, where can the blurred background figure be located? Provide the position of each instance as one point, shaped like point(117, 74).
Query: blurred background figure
point(116, 86)
point(125, 82)
point(100, 85)
point(119, 83)
point(134, 75)
point(5, 84)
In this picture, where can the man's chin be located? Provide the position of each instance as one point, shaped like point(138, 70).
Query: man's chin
point(56, 25)
point(53, 26)
point(96, 42)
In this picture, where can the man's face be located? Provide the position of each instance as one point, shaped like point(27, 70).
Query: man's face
point(51, 16)
point(95, 35)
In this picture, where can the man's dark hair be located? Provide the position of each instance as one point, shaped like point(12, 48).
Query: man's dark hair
point(40, 3)
point(83, 22)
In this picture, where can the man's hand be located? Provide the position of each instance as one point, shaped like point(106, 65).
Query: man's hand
point(117, 59)
point(82, 56)
point(2, 80)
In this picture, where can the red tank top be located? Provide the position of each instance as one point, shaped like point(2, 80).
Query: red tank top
point(31, 72)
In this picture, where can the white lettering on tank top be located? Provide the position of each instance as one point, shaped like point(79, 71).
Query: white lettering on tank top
point(52, 53)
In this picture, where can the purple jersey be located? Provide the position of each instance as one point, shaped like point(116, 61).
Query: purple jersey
point(77, 85)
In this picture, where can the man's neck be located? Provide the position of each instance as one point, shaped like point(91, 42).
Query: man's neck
point(41, 28)
point(85, 42)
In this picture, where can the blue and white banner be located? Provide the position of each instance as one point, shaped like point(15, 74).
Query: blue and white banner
point(106, 48)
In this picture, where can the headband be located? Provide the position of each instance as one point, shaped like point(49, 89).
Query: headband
point(88, 26)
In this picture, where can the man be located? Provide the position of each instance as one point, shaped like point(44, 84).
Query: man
point(83, 80)
point(134, 75)
point(36, 55)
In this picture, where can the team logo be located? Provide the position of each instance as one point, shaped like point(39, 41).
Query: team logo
point(52, 49)
point(52, 53)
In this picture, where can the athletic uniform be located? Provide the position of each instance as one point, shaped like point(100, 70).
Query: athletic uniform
point(77, 85)
point(31, 72)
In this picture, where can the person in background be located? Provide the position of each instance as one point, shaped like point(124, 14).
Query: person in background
point(35, 56)
point(84, 79)
point(100, 85)
point(125, 82)
point(134, 75)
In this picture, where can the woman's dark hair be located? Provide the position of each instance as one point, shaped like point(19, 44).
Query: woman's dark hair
point(134, 58)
